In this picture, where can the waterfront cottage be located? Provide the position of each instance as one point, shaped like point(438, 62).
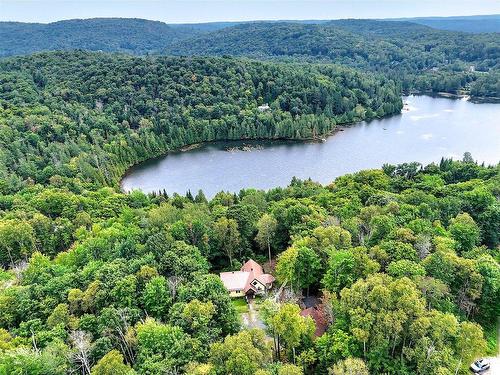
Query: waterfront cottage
point(250, 280)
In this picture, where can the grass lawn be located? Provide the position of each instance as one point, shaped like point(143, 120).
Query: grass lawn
point(258, 300)
point(240, 305)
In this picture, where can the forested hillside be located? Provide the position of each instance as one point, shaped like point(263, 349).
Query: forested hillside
point(471, 24)
point(420, 57)
point(92, 115)
point(407, 258)
point(135, 36)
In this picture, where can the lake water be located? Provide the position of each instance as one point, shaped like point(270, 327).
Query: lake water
point(427, 129)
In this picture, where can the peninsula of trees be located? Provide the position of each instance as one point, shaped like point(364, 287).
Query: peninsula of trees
point(90, 116)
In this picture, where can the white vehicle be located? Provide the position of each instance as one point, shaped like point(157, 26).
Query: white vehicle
point(480, 366)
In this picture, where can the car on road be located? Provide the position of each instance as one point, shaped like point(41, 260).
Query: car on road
point(480, 366)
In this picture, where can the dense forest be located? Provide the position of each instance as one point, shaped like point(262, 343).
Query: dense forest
point(134, 36)
point(419, 57)
point(405, 259)
point(92, 115)
point(94, 281)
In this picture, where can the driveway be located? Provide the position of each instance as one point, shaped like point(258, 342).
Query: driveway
point(251, 319)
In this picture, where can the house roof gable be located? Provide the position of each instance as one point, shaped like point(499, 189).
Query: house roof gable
point(243, 279)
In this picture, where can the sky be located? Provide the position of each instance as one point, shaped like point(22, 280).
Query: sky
point(189, 11)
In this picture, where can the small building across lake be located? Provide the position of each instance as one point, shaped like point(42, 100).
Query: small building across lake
point(250, 280)
point(263, 108)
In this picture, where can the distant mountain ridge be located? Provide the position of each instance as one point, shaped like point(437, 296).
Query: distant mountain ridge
point(416, 55)
point(129, 35)
point(139, 36)
point(471, 24)
point(366, 44)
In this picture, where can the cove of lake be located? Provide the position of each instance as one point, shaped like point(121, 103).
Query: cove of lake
point(431, 128)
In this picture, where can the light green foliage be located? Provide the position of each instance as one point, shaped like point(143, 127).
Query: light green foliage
point(60, 315)
point(112, 364)
point(157, 297)
point(53, 360)
point(324, 239)
point(346, 266)
point(227, 237)
point(162, 347)
point(349, 366)
point(489, 308)
point(198, 314)
point(241, 354)
point(333, 346)
point(291, 326)
point(17, 241)
point(197, 319)
point(405, 268)
point(82, 259)
point(290, 370)
point(461, 276)
point(200, 369)
point(266, 227)
point(388, 316)
point(300, 267)
point(380, 309)
point(285, 267)
point(465, 232)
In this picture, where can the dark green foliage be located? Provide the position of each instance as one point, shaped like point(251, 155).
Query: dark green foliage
point(97, 278)
point(134, 36)
point(97, 114)
point(418, 56)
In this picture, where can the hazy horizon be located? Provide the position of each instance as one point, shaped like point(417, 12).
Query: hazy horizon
point(200, 11)
point(250, 20)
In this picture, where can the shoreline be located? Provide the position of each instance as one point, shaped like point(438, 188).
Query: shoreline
point(449, 95)
point(195, 146)
point(240, 143)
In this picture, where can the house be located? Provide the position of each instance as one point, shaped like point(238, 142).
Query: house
point(250, 280)
point(264, 107)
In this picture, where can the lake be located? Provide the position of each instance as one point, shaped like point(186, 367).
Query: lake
point(427, 129)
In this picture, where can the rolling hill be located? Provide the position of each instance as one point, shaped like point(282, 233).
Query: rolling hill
point(134, 36)
point(419, 56)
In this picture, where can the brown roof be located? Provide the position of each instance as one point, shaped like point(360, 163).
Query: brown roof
point(266, 278)
point(320, 321)
point(253, 266)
